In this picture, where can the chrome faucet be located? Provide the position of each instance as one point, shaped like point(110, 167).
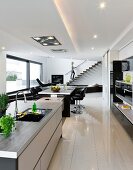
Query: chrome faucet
point(16, 105)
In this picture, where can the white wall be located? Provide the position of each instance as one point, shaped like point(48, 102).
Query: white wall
point(126, 52)
point(2, 72)
point(106, 79)
point(108, 59)
point(113, 55)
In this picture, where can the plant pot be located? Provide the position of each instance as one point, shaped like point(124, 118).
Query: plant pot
point(2, 113)
point(1, 131)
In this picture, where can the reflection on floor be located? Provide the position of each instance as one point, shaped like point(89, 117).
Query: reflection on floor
point(94, 140)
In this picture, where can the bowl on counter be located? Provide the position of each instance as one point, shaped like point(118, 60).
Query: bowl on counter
point(55, 88)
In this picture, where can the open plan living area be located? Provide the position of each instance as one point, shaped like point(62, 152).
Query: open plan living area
point(66, 85)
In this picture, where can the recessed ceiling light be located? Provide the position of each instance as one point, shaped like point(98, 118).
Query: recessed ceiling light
point(92, 48)
point(42, 41)
point(3, 48)
point(50, 38)
point(56, 43)
point(45, 44)
point(95, 36)
point(31, 53)
point(37, 38)
point(102, 5)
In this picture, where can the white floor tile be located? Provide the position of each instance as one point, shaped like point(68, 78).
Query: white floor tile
point(94, 140)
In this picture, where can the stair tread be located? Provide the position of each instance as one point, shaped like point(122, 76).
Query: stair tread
point(86, 72)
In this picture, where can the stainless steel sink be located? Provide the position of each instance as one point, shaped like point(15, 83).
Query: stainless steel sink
point(29, 116)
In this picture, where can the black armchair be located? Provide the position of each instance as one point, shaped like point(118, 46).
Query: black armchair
point(44, 85)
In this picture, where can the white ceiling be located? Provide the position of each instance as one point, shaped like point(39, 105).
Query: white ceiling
point(72, 22)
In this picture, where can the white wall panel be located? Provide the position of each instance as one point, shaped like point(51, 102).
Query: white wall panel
point(2, 72)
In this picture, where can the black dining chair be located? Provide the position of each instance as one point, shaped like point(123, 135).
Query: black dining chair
point(34, 92)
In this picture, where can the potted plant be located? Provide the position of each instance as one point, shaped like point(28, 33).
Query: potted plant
point(3, 104)
point(7, 122)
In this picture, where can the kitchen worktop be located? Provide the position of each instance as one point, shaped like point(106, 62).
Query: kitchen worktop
point(13, 146)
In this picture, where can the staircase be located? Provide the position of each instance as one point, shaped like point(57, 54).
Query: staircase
point(90, 76)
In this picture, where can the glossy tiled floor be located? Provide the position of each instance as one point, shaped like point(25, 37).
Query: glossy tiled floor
point(94, 140)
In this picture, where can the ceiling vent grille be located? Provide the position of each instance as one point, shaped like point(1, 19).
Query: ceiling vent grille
point(59, 50)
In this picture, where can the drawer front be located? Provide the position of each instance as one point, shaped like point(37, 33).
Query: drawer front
point(49, 151)
point(63, 105)
point(28, 159)
point(38, 166)
point(58, 116)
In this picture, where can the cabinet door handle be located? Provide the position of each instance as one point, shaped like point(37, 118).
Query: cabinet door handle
point(117, 86)
point(127, 90)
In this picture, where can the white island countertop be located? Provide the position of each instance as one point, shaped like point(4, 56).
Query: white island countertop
point(63, 91)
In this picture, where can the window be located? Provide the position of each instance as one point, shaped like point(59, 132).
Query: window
point(35, 72)
point(21, 74)
point(15, 75)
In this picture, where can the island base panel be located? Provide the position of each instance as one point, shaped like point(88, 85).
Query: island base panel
point(8, 164)
point(66, 111)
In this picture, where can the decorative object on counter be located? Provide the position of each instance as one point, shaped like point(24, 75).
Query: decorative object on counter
point(128, 76)
point(3, 103)
point(7, 123)
point(34, 108)
point(72, 71)
point(65, 86)
point(125, 106)
point(55, 88)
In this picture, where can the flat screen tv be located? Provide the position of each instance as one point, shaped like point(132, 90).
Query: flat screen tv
point(57, 79)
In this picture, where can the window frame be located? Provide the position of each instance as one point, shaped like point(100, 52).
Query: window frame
point(27, 71)
point(41, 71)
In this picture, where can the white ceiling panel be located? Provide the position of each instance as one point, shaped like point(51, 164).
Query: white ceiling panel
point(72, 22)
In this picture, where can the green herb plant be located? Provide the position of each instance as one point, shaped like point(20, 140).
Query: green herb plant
point(11, 77)
point(7, 122)
point(3, 102)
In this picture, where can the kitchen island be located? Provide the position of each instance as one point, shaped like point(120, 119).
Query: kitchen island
point(66, 93)
point(32, 144)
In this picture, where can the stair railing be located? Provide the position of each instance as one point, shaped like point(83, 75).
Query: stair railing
point(76, 67)
point(79, 69)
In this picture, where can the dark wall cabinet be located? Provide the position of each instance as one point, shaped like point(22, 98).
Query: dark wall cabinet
point(118, 68)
